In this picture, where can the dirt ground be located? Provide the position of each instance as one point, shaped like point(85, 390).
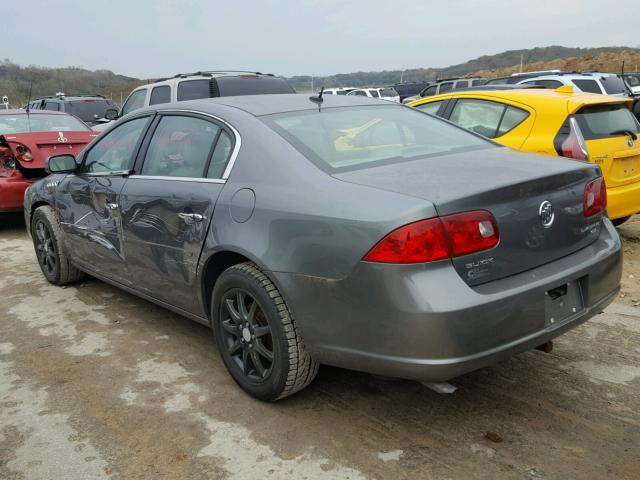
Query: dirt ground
point(96, 383)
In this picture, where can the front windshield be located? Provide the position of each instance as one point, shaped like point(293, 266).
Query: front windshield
point(41, 122)
point(355, 137)
point(89, 109)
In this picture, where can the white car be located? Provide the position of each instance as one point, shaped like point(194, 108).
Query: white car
point(595, 82)
point(389, 93)
point(633, 81)
point(338, 91)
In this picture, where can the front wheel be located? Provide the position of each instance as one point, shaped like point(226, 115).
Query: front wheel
point(50, 250)
point(256, 335)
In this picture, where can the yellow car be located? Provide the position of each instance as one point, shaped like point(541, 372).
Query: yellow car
point(593, 128)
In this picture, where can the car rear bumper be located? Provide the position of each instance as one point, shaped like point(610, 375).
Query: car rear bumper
point(12, 192)
point(623, 201)
point(423, 322)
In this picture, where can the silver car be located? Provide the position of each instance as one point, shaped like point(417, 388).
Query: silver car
point(338, 230)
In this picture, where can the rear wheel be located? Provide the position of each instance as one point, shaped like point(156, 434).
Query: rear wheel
point(256, 336)
point(619, 221)
point(50, 249)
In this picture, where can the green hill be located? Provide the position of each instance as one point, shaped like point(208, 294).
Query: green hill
point(16, 81)
point(485, 62)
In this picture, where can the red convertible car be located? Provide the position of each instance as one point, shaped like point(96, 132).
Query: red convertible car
point(27, 139)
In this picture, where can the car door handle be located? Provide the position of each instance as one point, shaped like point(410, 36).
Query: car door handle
point(191, 218)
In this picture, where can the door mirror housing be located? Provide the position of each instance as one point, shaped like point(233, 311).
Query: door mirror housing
point(65, 163)
point(111, 114)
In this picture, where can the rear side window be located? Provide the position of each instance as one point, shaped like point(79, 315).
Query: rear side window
point(590, 86)
point(374, 93)
point(497, 81)
point(252, 85)
point(605, 121)
point(490, 119)
point(52, 106)
point(135, 101)
point(180, 147)
point(462, 83)
point(388, 92)
point(220, 157)
point(445, 87)
point(431, 107)
point(613, 85)
point(360, 93)
point(160, 94)
point(476, 82)
point(193, 90)
point(551, 84)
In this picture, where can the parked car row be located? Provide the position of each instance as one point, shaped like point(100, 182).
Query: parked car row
point(341, 229)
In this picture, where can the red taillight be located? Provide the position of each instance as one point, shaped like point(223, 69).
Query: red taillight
point(574, 146)
point(595, 197)
point(423, 241)
point(471, 232)
point(437, 239)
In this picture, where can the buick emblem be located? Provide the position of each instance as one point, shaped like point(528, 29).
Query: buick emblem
point(62, 138)
point(546, 214)
point(630, 142)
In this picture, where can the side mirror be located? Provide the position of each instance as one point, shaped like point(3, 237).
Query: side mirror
point(65, 163)
point(111, 114)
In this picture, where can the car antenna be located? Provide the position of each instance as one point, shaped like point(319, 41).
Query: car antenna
point(318, 98)
point(29, 104)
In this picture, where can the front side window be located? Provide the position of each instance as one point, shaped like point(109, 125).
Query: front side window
point(193, 90)
point(374, 93)
point(115, 151)
point(590, 86)
point(431, 107)
point(360, 93)
point(180, 147)
point(135, 101)
point(160, 94)
point(485, 117)
point(359, 137)
point(432, 90)
point(388, 92)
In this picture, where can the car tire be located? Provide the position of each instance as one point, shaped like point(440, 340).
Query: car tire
point(619, 221)
point(256, 335)
point(50, 248)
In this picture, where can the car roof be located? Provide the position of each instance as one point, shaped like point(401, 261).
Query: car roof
point(575, 100)
point(259, 105)
point(19, 111)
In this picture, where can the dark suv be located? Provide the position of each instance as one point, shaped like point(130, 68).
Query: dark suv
point(88, 108)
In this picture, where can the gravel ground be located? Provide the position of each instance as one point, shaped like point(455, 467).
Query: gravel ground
point(96, 383)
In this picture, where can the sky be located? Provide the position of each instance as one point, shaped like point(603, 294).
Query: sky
point(156, 38)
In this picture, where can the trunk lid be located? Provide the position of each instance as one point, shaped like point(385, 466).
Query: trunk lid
point(43, 145)
point(512, 186)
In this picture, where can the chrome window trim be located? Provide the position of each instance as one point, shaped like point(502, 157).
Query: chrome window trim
point(181, 179)
point(236, 146)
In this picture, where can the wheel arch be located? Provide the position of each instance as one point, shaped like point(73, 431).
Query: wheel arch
point(216, 263)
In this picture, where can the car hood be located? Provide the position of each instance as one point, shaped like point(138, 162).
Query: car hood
point(43, 145)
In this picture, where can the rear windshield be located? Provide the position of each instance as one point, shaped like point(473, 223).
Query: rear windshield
point(89, 109)
point(613, 85)
point(253, 85)
point(604, 121)
point(348, 138)
point(22, 123)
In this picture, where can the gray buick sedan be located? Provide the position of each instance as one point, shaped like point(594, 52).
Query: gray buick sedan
point(341, 231)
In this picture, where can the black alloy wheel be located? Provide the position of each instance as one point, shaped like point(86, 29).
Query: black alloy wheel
point(246, 334)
